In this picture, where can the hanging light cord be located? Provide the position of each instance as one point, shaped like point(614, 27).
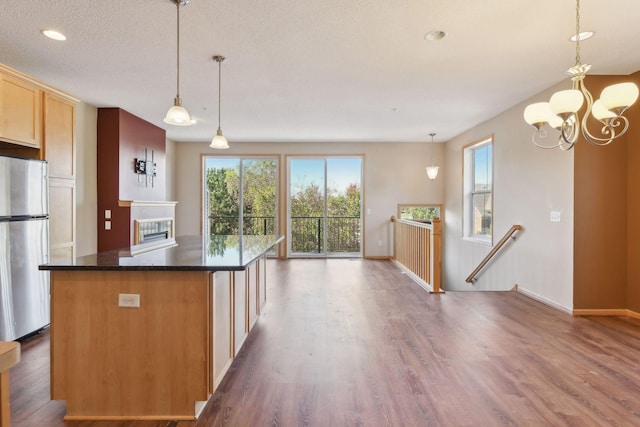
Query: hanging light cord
point(432, 135)
point(219, 89)
point(578, 61)
point(178, 52)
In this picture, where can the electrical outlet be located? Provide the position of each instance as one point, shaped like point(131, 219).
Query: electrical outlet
point(379, 242)
point(129, 300)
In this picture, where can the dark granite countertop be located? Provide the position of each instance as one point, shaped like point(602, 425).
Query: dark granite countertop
point(186, 253)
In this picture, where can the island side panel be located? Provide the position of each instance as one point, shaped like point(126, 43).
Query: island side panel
point(114, 362)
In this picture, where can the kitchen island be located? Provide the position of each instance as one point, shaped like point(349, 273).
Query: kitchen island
point(149, 332)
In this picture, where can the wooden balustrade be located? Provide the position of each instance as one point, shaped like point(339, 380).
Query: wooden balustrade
point(417, 248)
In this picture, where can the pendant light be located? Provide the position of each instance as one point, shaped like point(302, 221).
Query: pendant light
point(178, 115)
point(219, 141)
point(432, 171)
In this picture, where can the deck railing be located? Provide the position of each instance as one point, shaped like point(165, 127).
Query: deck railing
point(417, 248)
point(251, 225)
point(307, 232)
point(343, 234)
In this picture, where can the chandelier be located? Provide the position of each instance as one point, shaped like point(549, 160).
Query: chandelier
point(561, 112)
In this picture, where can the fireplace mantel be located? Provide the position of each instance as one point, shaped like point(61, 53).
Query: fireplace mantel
point(142, 203)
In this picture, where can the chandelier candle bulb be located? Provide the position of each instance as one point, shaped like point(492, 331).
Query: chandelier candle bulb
point(619, 96)
point(601, 112)
point(538, 114)
point(566, 102)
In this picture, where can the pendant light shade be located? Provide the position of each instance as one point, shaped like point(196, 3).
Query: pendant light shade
point(177, 114)
point(219, 141)
point(432, 171)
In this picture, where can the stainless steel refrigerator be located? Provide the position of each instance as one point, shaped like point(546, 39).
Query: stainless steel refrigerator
point(24, 245)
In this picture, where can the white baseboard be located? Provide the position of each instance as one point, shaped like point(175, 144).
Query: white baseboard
point(414, 277)
point(543, 300)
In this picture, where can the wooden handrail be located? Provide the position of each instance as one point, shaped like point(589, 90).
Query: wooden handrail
point(496, 248)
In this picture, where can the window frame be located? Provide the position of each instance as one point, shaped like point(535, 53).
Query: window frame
point(470, 192)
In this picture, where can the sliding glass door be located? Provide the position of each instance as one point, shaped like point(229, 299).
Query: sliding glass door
point(324, 206)
point(240, 195)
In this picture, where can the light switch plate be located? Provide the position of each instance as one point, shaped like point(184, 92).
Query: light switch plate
point(107, 225)
point(555, 216)
point(107, 214)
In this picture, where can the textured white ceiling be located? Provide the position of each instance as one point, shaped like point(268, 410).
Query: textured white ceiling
point(316, 70)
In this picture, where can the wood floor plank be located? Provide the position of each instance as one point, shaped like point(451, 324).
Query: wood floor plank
point(357, 343)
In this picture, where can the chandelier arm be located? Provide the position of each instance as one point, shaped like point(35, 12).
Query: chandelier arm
point(541, 134)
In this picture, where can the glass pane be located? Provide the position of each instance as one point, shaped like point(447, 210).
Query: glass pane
point(343, 205)
point(307, 205)
point(482, 221)
point(259, 191)
point(482, 168)
point(419, 212)
point(222, 184)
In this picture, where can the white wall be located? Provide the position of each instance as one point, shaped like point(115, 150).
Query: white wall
point(170, 164)
point(528, 183)
point(393, 174)
point(86, 179)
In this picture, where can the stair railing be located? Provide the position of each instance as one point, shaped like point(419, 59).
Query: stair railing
point(496, 248)
point(417, 249)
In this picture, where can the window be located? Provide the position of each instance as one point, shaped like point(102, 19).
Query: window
point(418, 212)
point(478, 190)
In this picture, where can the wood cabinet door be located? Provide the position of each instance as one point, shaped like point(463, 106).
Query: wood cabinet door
point(20, 112)
point(59, 136)
point(262, 282)
point(252, 281)
point(240, 325)
point(62, 219)
point(222, 325)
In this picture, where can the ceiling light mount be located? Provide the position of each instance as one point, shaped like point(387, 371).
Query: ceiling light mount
point(561, 112)
point(54, 35)
point(219, 141)
point(177, 114)
point(432, 171)
point(435, 35)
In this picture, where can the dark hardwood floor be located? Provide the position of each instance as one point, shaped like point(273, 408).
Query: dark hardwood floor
point(357, 343)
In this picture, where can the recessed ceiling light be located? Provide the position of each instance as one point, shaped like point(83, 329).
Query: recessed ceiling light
point(435, 35)
point(52, 34)
point(584, 35)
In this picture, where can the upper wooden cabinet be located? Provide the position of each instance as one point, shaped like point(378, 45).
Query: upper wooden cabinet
point(59, 135)
point(20, 112)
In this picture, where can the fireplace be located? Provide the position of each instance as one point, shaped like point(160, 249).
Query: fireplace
point(153, 230)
